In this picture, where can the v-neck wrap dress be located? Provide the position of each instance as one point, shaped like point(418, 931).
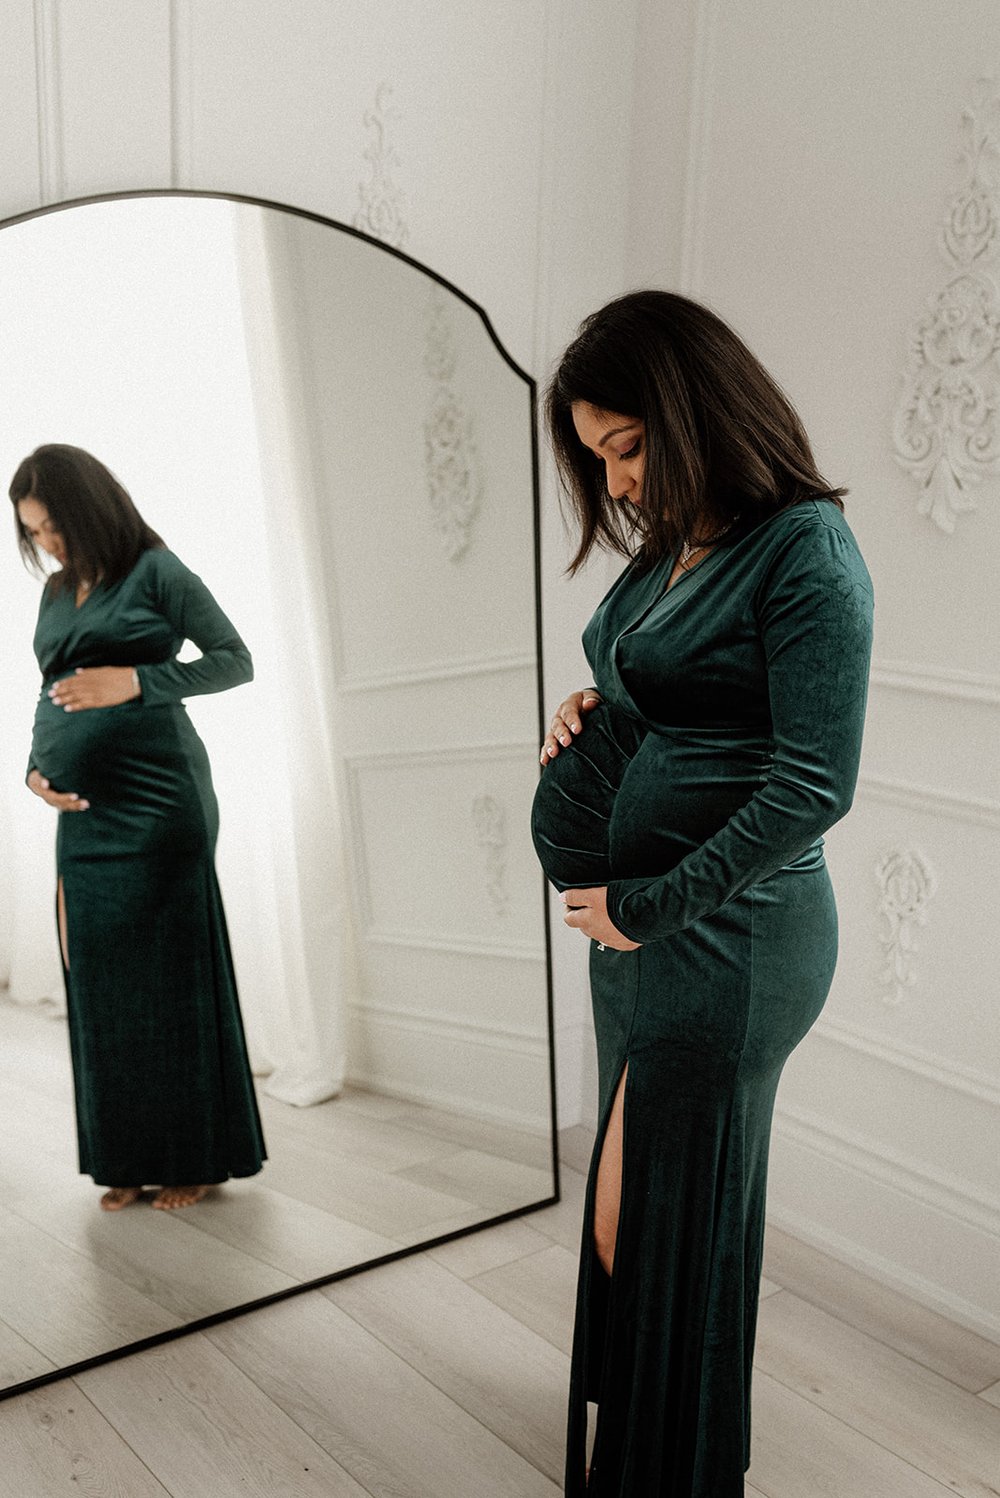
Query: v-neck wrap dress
point(698, 792)
point(163, 1089)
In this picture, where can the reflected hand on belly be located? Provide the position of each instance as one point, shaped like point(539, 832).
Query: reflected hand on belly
point(61, 800)
point(95, 686)
point(587, 911)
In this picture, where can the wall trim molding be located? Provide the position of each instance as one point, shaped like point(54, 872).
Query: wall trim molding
point(697, 175)
point(887, 1272)
point(430, 941)
point(952, 1075)
point(48, 83)
point(979, 810)
point(450, 754)
point(443, 670)
point(890, 1167)
point(936, 681)
point(421, 1021)
point(181, 93)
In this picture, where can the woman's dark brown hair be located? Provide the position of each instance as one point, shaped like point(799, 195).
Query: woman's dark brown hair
point(722, 442)
point(103, 533)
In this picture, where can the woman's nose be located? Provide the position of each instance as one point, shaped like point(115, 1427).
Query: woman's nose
point(617, 480)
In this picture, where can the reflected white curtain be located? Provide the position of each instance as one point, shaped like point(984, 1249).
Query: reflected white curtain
point(215, 450)
point(303, 1038)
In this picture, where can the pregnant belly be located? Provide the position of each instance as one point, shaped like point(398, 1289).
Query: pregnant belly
point(141, 764)
point(623, 802)
point(679, 789)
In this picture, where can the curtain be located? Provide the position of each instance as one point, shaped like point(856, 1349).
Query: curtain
point(191, 389)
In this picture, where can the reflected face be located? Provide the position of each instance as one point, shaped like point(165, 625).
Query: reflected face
point(619, 442)
point(35, 519)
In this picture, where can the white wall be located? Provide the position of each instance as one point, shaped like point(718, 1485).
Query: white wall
point(820, 157)
point(507, 137)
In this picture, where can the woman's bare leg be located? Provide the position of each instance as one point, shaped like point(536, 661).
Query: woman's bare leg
point(607, 1201)
point(61, 906)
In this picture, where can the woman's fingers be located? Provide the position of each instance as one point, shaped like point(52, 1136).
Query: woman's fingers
point(568, 721)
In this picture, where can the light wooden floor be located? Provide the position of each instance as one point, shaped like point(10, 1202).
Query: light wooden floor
point(346, 1182)
point(444, 1376)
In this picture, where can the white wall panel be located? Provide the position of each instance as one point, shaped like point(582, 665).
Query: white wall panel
point(113, 67)
point(278, 106)
point(506, 158)
point(823, 154)
point(20, 60)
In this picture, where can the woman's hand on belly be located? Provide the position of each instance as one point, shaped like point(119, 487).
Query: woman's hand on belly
point(61, 800)
point(567, 721)
point(587, 911)
point(95, 686)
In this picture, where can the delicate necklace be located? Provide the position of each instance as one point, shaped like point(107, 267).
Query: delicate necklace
point(689, 548)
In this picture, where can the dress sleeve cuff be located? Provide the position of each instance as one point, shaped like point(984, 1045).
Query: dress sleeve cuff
point(617, 890)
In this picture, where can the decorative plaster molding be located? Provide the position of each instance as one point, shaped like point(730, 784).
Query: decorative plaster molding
point(450, 452)
point(907, 883)
point(380, 209)
point(947, 424)
point(490, 821)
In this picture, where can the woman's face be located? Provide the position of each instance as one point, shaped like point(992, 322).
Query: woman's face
point(619, 442)
point(35, 519)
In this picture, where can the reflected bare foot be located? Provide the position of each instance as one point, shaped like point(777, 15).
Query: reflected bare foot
point(120, 1196)
point(169, 1197)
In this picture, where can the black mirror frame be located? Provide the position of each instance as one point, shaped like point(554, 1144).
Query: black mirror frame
point(202, 1322)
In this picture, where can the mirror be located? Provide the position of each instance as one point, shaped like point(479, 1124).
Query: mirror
point(335, 441)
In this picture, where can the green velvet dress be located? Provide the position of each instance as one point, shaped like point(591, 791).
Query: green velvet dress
point(698, 792)
point(164, 1094)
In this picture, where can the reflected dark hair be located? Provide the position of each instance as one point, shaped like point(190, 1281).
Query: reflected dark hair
point(722, 441)
point(103, 533)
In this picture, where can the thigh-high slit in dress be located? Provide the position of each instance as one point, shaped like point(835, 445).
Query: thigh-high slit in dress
point(163, 1090)
point(727, 742)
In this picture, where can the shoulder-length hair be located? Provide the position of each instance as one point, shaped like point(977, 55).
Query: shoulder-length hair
point(722, 442)
point(103, 533)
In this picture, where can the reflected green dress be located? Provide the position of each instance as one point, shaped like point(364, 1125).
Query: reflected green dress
point(164, 1094)
point(698, 792)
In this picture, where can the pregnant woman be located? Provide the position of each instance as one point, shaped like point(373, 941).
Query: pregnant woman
point(681, 813)
point(163, 1089)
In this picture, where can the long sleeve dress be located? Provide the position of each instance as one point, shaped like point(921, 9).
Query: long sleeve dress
point(728, 741)
point(164, 1094)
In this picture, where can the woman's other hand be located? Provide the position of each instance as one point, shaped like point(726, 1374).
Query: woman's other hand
point(95, 686)
point(568, 720)
point(587, 911)
point(61, 800)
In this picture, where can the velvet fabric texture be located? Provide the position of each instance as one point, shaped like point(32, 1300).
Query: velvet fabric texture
point(728, 741)
point(164, 1094)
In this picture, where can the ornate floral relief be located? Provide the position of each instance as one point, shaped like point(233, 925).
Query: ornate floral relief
point(450, 452)
point(490, 823)
point(380, 211)
point(947, 424)
point(907, 883)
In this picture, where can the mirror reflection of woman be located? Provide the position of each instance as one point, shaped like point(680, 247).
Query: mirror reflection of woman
point(681, 813)
point(163, 1090)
